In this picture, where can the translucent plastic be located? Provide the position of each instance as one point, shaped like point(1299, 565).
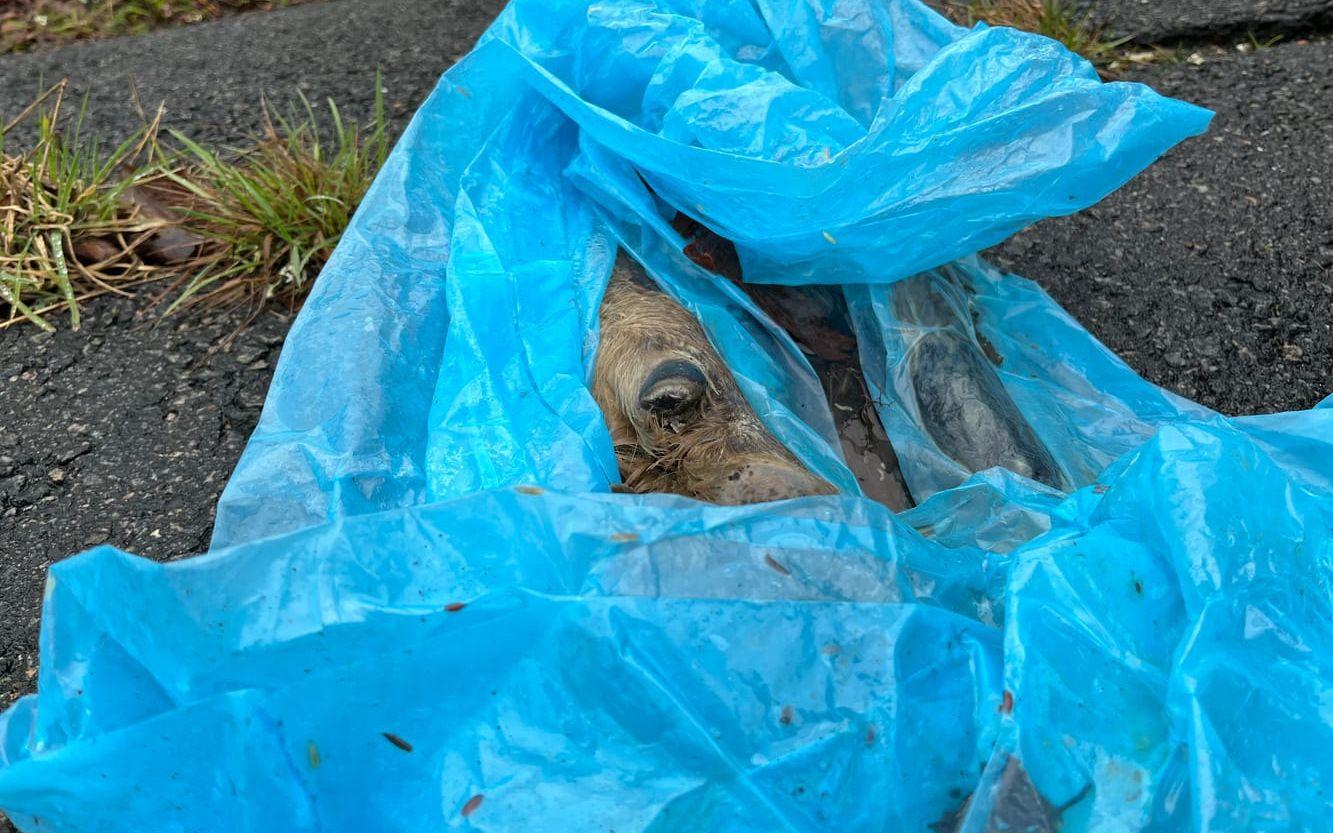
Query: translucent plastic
point(425, 609)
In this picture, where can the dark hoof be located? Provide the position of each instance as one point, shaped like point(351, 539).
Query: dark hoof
point(969, 414)
point(672, 389)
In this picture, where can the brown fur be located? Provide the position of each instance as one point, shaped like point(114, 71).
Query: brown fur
point(713, 447)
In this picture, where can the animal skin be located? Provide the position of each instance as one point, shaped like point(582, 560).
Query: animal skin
point(678, 420)
point(818, 321)
point(681, 425)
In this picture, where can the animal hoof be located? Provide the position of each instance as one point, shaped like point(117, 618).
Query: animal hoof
point(672, 388)
point(968, 412)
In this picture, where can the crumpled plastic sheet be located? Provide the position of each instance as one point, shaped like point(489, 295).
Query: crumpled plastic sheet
point(424, 608)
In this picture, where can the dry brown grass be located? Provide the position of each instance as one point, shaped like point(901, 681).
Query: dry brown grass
point(253, 224)
point(1056, 19)
point(67, 233)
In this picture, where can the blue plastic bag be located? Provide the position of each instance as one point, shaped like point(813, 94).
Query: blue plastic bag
point(424, 608)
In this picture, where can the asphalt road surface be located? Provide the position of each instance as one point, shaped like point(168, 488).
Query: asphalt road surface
point(1161, 21)
point(1212, 273)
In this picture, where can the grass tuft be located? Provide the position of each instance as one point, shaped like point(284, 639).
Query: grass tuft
point(273, 212)
point(251, 224)
point(58, 198)
point(1056, 19)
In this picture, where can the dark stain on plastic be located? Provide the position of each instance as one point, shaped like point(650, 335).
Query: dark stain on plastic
point(1006, 702)
point(454, 607)
point(624, 537)
point(312, 754)
point(787, 716)
point(870, 736)
point(776, 565)
point(472, 804)
point(1015, 805)
point(952, 820)
point(529, 490)
point(397, 741)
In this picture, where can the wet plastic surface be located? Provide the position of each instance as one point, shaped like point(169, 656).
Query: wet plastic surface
point(426, 610)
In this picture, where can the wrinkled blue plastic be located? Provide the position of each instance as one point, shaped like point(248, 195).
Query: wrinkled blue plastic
point(1153, 648)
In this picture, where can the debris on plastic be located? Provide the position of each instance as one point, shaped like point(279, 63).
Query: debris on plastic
point(432, 603)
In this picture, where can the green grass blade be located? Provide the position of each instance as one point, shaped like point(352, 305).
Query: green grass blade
point(11, 297)
point(61, 276)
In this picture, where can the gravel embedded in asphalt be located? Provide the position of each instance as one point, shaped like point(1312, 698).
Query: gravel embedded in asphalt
point(122, 432)
point(1212, 272)
point(1155, 21)
point(212, 76)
